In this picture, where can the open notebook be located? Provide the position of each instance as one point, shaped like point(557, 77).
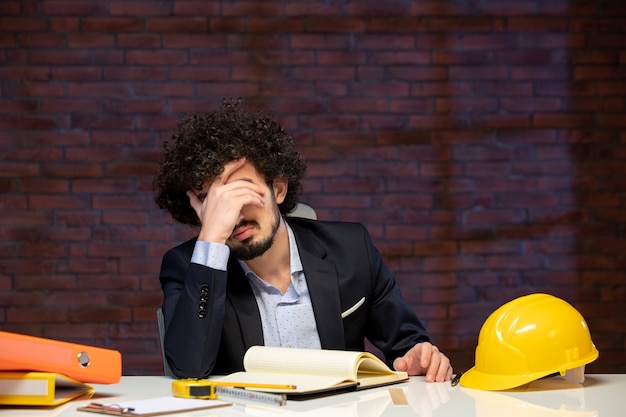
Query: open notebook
point(308, 371)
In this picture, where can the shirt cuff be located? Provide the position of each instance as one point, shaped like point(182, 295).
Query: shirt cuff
point(211, 254)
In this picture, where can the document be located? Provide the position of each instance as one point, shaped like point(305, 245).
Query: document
point(307, 371)
point(153, 406)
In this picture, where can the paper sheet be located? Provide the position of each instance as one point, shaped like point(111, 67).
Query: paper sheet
point(161, 405)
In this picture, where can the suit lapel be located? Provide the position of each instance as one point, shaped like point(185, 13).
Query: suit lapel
point(242, 299)
point(321, 279)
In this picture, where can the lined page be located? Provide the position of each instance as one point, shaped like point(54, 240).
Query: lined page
point(323, 362)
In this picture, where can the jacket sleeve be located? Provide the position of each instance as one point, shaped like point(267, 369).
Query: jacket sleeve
point(193, 310)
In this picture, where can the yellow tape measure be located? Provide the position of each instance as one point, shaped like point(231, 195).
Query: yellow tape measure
point(194, 388)
point(208, 390)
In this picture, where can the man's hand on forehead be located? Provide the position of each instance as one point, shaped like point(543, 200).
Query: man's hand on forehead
point(220, 201)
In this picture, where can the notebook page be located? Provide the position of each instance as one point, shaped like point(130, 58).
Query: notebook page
point(320, 362)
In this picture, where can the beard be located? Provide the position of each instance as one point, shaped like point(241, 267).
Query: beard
point(247, 249)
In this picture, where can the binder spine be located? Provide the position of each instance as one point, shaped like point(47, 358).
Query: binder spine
point(83, 363)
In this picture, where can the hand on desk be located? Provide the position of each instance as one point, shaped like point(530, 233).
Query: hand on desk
point(425, 359)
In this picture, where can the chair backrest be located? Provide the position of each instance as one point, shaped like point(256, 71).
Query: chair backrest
point(304, 210)
point(301, 210)
point(161, 324)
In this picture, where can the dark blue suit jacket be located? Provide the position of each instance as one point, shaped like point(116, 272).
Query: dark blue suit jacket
point(342, 267)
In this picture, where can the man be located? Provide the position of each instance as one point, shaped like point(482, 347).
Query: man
point(255, 277)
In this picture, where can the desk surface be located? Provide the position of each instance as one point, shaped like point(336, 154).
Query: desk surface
point(600, 395)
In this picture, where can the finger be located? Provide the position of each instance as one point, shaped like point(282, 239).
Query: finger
point(245, 192)
point(248, 198)
point(434, 362)
point(194, 201)
point(400, 364)
point(229, 168)
point(443, 371)
point(411, 362)
point(426, 354)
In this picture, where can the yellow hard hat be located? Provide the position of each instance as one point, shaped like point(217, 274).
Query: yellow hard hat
point(529, 338)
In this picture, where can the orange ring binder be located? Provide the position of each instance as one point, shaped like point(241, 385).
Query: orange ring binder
point(87, 364)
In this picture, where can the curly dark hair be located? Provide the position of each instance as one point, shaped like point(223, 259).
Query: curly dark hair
point(203, 143)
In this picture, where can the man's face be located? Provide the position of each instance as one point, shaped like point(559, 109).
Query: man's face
point(254, 233)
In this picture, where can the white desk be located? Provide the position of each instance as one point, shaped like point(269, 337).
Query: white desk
point(600, 395)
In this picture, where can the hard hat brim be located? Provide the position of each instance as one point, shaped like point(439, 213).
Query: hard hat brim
point(478, 380)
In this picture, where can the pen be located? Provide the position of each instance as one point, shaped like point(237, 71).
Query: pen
point(456, 379)
point(112, 408)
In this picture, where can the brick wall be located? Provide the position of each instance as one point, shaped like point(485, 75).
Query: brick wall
point(483, 143)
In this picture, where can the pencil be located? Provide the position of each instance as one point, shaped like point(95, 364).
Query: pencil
point(253, 385)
